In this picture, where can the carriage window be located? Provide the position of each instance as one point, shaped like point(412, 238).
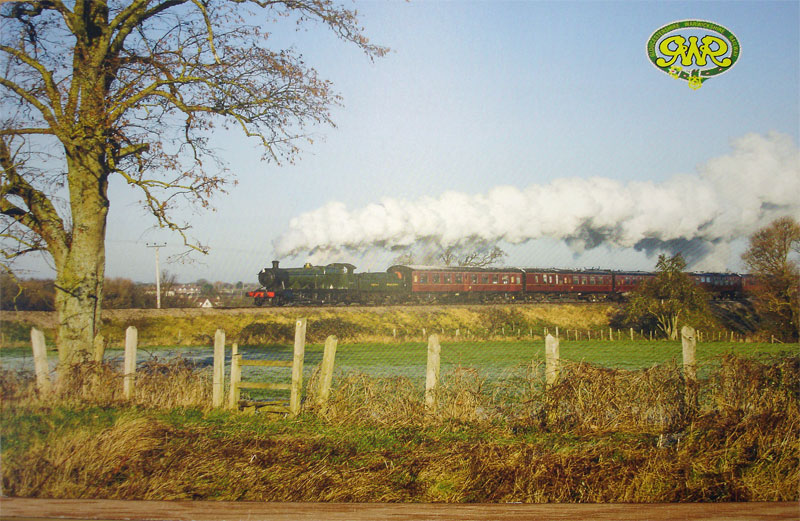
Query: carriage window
point(591, 280)
point(458, 279)
point(494, 279)
point(423, 279)
point(447, 279)
point(474, 279)
point(435, 278)
point(583, 280)
point(505, 279)
point(485, 279)
point(415, 278)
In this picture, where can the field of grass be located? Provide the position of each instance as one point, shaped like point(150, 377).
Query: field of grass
point(493, 359)
point(196, 327)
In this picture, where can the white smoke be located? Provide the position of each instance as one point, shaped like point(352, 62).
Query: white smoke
point(728, 198)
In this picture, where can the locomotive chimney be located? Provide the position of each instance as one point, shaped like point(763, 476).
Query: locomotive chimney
point(275, 264)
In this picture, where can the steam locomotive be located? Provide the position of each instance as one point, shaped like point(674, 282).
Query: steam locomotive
point(338, 283)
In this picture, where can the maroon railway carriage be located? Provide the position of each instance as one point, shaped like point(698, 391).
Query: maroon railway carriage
point(719, 285)
point(432, 283)
point(541, 284)
point(627, 281)
point(750, 284)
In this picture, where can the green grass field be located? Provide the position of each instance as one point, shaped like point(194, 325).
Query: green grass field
point(496, 359)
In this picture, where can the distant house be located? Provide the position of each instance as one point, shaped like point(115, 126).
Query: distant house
point(206, 304)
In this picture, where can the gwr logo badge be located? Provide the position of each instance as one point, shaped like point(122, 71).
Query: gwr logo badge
point(707, 47)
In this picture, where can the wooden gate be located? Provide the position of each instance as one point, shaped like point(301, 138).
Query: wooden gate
point(295, 387)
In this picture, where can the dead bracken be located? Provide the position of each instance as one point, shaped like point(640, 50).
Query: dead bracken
point(598, 435)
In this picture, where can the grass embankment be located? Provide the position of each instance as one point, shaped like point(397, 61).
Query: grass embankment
point(599, 435)
point(196, 327)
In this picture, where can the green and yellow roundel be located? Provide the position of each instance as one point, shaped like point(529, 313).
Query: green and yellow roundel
point(693, 50)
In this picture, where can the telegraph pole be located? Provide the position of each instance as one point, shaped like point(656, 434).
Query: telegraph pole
point(158, 272)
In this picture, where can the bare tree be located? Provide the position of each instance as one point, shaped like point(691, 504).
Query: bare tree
point(135, 89)
point(473, 255)
point(776, 294)
point(480, 256)
point(405, 258)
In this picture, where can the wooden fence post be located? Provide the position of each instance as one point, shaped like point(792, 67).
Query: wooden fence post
point(219, 368)
point(631, 334)
point(297, 366)
point(99, 348)
point(432, 373)
point(326, 371)
point(689, 343)
point(129, 365)
point(550, 361)
point(236, 377)
point(40, 361)
point(557, 332)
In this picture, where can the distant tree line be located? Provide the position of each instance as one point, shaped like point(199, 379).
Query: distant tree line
point(39, 294)
point(119, 293)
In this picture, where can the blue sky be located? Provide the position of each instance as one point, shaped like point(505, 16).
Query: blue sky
point(477, 95)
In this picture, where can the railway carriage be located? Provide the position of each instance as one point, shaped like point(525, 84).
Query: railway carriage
point(627, 281)
point(585, 284)
point(719, 285)
point(436, 283)
point(751, 284)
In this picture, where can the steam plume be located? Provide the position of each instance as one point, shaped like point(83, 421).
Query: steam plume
point(728, 198)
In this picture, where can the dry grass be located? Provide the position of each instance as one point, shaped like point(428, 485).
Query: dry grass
point(598, 435)
point(158, 385)
point(589, 399)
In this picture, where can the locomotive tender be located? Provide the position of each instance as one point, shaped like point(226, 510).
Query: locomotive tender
point(338, 283)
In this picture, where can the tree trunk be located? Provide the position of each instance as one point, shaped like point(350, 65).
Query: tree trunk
point(79, 286)
point(81, 270)
point(669, 325)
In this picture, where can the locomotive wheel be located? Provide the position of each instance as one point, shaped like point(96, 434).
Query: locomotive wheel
point(259, 301)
